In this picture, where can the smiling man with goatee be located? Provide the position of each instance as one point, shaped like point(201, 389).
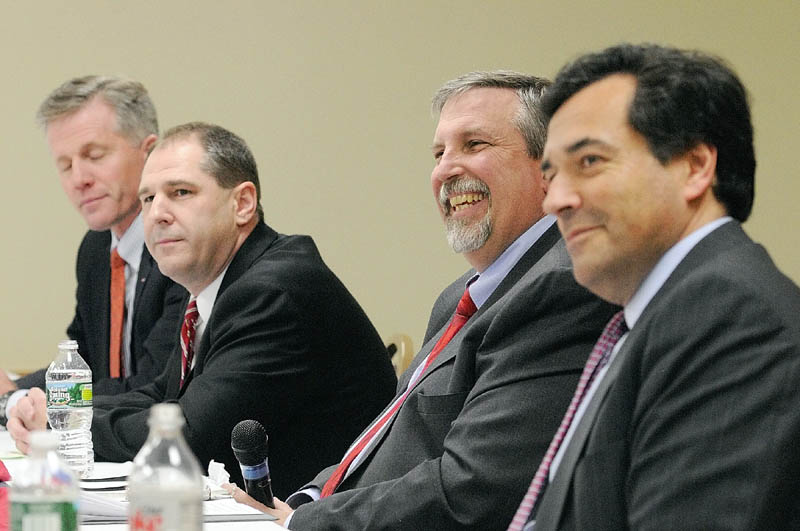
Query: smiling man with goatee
point(505, 342)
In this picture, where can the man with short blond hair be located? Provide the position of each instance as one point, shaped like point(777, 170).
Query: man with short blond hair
point(100, 130)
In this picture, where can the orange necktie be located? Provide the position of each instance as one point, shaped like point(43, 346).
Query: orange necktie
point(115, 365)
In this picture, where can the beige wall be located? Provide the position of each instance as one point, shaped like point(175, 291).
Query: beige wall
point(333, 99)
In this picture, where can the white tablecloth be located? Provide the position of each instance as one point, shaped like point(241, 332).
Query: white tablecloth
point(14, 463)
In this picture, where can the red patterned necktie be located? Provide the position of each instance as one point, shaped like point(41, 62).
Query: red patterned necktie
point(187, 339)
point(615, 329)
point(116, 368)
point(465, 309)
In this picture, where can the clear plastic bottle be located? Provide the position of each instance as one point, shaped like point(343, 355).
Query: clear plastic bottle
point(165, 487)
point(44, 495)
point(69, 407)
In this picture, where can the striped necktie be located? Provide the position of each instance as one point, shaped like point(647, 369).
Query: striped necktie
point(615, 329)
point(187, 339)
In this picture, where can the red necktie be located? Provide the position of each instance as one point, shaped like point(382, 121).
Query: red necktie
point(597, 360)
point(187, 338)
point(464, 311)
point(4, 506)
point(116, 368)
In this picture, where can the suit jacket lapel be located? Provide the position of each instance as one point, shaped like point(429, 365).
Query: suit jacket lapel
point(402, 386)
point(145, 266)
point(254, 246)
point(532, 259)
point(524, 264)
point(529, 261)
point(552, 505)
point(102, 303)
point(445, 305)
point(174, 389)
point(554, 500)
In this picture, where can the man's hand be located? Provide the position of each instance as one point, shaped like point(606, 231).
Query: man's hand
point(6, 383)
point(29, 414)
point(281, 510)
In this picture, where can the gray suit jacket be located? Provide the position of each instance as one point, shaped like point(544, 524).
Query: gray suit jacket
point(698, 426)
point(465, 443)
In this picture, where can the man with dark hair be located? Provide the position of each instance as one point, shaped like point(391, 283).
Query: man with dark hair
point(687, 416)
point(100, 130)
point(269, 332)
point(505, 342)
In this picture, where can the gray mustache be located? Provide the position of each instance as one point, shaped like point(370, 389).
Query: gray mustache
point(461, 186)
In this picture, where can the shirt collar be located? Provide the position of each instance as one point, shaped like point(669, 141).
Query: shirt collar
point(207, 297)
point(664, 268)
point(131, 244)
point(481, 286)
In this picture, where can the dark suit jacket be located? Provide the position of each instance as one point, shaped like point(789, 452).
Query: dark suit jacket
point(701, 426)
point(463, 447)
point(287, 345)
point(156, 319)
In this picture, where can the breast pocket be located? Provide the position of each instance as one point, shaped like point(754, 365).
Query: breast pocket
point(436, 414)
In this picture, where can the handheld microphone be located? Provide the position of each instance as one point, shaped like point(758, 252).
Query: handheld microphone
point(249, 445)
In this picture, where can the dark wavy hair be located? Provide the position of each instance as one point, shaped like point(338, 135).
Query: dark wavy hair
point(683, 98)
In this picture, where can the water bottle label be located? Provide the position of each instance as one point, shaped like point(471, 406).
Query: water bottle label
point(165, 515)
point(62, 395)
point(53, 516)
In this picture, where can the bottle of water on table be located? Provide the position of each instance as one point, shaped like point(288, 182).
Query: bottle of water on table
point(44, 495)
point(165, 487)
point(69, 407)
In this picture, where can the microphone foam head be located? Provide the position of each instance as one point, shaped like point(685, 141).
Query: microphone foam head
point(249, 442)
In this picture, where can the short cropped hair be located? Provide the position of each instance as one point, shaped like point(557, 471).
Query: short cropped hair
point(228, 159)
point(529, 120)
point(136, 114)
point(683, 98)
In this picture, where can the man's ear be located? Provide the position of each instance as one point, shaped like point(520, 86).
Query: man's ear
point(245, 202)
point(148, 143)
point(702, 164)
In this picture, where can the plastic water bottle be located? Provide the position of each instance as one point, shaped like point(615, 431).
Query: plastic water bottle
point(69, 407)
point(165, 487)
point(44, 494)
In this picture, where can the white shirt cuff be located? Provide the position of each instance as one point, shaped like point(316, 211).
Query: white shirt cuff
point(14, 398)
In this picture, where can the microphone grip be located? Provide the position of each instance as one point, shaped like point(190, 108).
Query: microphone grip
point(258, 484)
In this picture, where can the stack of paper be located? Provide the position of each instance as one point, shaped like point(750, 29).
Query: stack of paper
point(103, 499)
point(99, 509)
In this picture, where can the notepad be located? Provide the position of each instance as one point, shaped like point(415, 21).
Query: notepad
point(101, 509)
point(103, 499)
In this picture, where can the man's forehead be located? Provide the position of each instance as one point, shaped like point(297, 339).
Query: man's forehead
point(463, 130)
point(95, 113)
point(476, 97)
point(478, 110)
point(179, 149)
point(591, 114)
point(181, 157)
